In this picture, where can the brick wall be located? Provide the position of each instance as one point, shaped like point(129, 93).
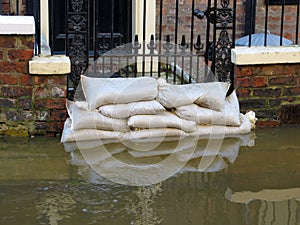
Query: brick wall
point(29, 104)
point(267, 89)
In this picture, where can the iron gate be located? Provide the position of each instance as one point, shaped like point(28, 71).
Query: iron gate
point(192, 41)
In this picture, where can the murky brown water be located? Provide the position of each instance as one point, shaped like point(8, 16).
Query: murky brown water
point(40, 183)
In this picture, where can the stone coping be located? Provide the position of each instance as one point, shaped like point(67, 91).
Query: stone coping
point(265, 55)
point(50, 65)
point(21, 25)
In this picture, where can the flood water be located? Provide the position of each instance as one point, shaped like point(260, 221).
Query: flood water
point(253, 183)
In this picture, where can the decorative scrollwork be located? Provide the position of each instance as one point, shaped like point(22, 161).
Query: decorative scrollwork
point(78, 57)
point(225, 3)
point(77, 23)
point(223, 56)
point(77, 5)
point(224, 17)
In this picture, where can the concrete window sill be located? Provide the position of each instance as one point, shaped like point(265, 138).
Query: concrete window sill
point(265, 55)
point(20, 25)
point(50, 65)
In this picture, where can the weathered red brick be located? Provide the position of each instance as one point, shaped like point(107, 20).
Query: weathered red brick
point(16, 91)
point(274, 102)
point(55, 127)
point(42, 115)
point(56, 103)
point(58, 115)
point(267, 123)
point(246, 104)
point(8, 41)
point(1, 55)
point(269, 92)
point(243, 82)
point(283, 80)
point(22, 67)
point(244, 71)
point(291, 91)
point(243, 92)
point(270, 70)
point(58, 91)
point(20, 55)
point(7, 103)
point(42, 92)
point(52, 80)
point(26, 80)
point(27, 42)
point(7, 67)
point(25, 103)
point(26, 115)
point(259, 82)
point(291, 69)
point(289, 99)
point(11, 79)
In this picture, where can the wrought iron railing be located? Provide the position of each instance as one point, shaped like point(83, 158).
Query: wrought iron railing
point(272, 17)
point(180, 37)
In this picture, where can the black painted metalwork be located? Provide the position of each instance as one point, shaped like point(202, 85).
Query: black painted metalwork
point(280, 10)
point(221, 16)
point(172, 58)
point(77, 41)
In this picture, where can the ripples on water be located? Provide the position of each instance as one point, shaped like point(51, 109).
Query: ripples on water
point(40, 183)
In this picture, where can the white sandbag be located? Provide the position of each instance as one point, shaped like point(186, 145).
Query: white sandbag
point(154, 133)
point(82, 119)
point(217, 131)
point(228, 116)
point(79, 104)
point(123, 111)
point(69, 135)
point(210, 95)
point(251, 117)
point(104, 91)
point(162, 120)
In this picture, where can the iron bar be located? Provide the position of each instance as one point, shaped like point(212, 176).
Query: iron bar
point(144, 36)
point(112, 21)
point(213, 63)
point(17, 7)
point(266, 23)
point(282, 21)
point(160, 35)
point(192, 41)
point(176, 39)
point(251, 23)
point(95, 30)
point(207, 44)
point(297, 22)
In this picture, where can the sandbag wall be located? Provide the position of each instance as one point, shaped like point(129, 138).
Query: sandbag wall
point(135, 108)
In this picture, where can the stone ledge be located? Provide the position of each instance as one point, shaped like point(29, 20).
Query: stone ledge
point(265, 55)
point(17, 25)
point(50, 65)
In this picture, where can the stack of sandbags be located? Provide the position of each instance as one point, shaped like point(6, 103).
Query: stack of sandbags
point(123, 108)
point(140, 108)
point(207, 105)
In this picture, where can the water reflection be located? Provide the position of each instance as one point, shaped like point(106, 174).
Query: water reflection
point(147, 162)
point(42, 184)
